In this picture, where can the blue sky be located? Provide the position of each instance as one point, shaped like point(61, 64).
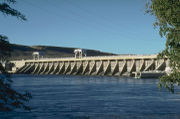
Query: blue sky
point(117, 26)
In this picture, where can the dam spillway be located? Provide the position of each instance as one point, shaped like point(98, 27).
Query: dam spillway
point(124, 65)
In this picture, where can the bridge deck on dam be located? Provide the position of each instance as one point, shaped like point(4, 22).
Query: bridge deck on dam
point(123, 65)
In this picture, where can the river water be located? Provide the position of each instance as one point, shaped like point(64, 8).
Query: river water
point(86, 97)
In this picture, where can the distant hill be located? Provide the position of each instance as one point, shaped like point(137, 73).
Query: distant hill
point(25, 52)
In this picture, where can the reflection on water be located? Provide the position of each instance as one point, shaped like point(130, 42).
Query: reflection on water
point(84, 97)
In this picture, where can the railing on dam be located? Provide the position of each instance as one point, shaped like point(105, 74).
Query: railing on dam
point(120, 65)
point(90, 57)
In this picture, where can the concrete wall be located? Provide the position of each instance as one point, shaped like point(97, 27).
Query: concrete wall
point(111, 65)
point(17, 65)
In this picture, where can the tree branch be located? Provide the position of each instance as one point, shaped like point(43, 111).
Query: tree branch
point(6, 9)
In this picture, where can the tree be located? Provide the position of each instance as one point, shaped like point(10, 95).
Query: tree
point(167, 13)
point(9, 98)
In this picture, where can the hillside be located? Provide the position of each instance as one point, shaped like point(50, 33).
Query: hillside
point(25, 52)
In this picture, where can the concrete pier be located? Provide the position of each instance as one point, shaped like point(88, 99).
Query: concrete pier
point(124, 65)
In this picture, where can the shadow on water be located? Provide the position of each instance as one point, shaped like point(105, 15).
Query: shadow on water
point(96, 97)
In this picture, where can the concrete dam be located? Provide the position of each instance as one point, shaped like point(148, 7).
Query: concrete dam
point(122, 65)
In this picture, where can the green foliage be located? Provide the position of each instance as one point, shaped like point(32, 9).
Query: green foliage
point(167, 14)
point(5, 48)
point(7, 10)
point(9, 98)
